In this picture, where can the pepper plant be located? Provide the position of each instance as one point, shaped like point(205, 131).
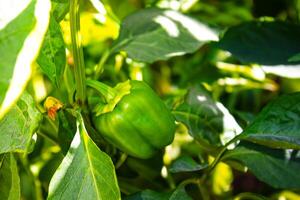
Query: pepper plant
point(149, 99)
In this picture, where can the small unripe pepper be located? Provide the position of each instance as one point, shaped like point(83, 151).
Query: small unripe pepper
point(133, 118)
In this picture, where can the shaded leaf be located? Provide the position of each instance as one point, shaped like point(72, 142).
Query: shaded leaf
point(9, 177)
point(278, 168)
point(155, 34)
point(85, 172)
point(266, 43)
point(66, 130)
point(49, 168)
point(186, 164)
point(295, 58)
point(180, 194)
point(52, 58)
point(22, 28)
point(278, 124)
point(149, 195)
point(206, 119)
point(18, 126)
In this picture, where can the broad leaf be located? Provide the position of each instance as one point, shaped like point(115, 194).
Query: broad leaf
point(278, 168)
point(17, 127)
point(149, 195)
point(155, 34)
point(206, 119)
point(9, 177)
point(180, 194)
point(52, 58)
point(85, 173)
point(266, 43)
point(22, 28)
point(66, 130)
point(59, 9)
point(295, 58)
point(186, 164)
point(278, 124)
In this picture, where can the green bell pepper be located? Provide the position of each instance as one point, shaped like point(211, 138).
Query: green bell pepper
point(133, 118)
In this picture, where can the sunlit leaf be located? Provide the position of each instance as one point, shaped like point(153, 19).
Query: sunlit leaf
point(9, 177)
point(18, 126)
point(59, 9)
point(278, 168)
point(52, 58)
point(22, 28)
point(85, 173)
point(277, 125)
point(155, 34)
point(205, 118)
point(288, 71)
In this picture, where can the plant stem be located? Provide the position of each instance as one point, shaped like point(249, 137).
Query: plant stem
point(106, 91)
point(199, 183)
point(219, 156)
point(121, 161)
point(79, 68)
point(99, 68)
point(48, 137)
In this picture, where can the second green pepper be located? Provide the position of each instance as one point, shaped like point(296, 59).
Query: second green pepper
point(134, 118)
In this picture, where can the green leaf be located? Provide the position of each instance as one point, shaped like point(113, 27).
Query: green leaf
point(49, 167)
point(59, 9)
point(9, 178)
point(22, 28)
point(266, 43)
point(85, 173)
point(18, 126)
point(149, 195)
point(277, 125)
point(155, 34)
point(295, 58)
point(66, 130)
point(186, 164)
point(180, 194)
point(205, 118)
point(52, 58)
point(276, 167)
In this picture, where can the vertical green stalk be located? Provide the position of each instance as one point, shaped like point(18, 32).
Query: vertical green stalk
point(79, 70)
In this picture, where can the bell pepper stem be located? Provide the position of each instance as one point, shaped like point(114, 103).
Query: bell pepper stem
point(106, 91)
